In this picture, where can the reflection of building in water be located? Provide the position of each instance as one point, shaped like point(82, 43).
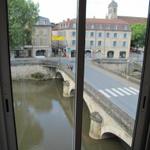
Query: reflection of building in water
point(41, 37)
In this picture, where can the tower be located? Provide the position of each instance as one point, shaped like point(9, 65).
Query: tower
point(112, 10)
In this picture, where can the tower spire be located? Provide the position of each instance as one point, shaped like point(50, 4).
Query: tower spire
point(112, 10)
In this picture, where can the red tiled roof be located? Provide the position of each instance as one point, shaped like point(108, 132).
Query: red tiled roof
point(90, 21)
point(99, 21)
point(133, 20)
point(105, 21)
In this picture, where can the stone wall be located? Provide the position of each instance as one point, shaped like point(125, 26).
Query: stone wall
point(34, 72)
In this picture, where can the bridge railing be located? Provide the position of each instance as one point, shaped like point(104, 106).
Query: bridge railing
point(113, 110)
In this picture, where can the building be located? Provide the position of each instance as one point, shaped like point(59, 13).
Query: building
point(41, 38)
point(109, 37)
point(112, 10)
point(112, 14)
point(133, 20)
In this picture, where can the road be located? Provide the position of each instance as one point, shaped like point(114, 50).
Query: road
point(121, 92)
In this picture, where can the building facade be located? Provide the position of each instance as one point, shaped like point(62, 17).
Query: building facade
point(109, 37)
point(41, 38)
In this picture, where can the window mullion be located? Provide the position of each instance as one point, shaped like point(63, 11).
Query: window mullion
point(142, 119)
point(81, 21)
point(5, 82)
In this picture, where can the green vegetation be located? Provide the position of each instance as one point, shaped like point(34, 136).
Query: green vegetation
point(138, 35)
point(22, 15)
point(38, 76)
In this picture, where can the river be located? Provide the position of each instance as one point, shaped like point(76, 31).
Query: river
point(44, 119)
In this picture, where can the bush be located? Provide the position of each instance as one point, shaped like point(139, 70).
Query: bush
point(38, 76)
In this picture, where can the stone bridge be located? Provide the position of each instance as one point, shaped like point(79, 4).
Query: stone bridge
point(107, 120)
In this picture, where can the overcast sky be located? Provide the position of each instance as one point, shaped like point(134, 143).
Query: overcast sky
point(58, 10)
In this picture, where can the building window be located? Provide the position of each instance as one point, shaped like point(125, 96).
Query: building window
point(114, 44)
point(125, 35)
point(100, 34)
point(110, 54)
point(74, 25)
point(122, 54)
point(73, 42)
point(115, 35)
point(91, 43)
point(125, 27)
point(92, 34)
point(73, 33)
point(99, 43)
point(107, 35)
point(92, 26)
point(124, 44)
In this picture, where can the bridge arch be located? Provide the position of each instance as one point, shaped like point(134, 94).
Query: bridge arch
point(68, 83)
point(112, 132)
point(58, 75)
point(72, 92)
point(102, 124)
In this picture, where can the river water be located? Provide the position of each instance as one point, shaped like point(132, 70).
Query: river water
point(44, 119)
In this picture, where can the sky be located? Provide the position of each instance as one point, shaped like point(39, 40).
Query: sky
point(59, 10)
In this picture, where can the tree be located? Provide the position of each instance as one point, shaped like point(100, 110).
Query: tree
point(22, 15)
point(138, 35)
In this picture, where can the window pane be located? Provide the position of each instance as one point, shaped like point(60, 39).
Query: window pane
point(112, 72)
point(42, 37)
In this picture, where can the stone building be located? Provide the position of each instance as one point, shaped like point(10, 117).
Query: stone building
point(41, 38)
point(112, 14)
point(110, 37)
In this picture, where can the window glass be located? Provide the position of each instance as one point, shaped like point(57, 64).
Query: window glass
point(73, 33)
point(115, 35)
point(114, 43)
point(122, 54)
point(113, 73)
point(125, 35)
point(100, 34)
point(124, 44)
point(42, 37)
point(92, 34)
point(91, 43)
point(99, 43)
point(107, 35)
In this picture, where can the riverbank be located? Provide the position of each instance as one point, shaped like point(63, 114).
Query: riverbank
point(32, 72)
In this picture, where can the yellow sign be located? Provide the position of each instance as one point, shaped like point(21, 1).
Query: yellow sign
point(58, 38)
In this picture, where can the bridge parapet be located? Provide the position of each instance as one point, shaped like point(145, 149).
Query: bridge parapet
point(125, 124)
point(114, 111)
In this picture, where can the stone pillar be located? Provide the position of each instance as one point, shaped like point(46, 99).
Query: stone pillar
point(66, 91)
point(95, 126)
point(49, 52)
point(33, 53)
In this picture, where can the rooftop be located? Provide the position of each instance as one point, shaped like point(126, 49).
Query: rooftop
point(133, 20)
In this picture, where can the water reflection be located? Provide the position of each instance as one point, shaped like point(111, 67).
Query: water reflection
point(44, 118)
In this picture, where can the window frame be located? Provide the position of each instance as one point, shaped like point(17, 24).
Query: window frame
point(8, 139)
point(7, 123)
point(141, 136)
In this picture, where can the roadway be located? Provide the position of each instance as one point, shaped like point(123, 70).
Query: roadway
point(119, 91)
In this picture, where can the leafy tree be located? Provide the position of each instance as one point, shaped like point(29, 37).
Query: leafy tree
point(22, 15)
point(138, 35)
